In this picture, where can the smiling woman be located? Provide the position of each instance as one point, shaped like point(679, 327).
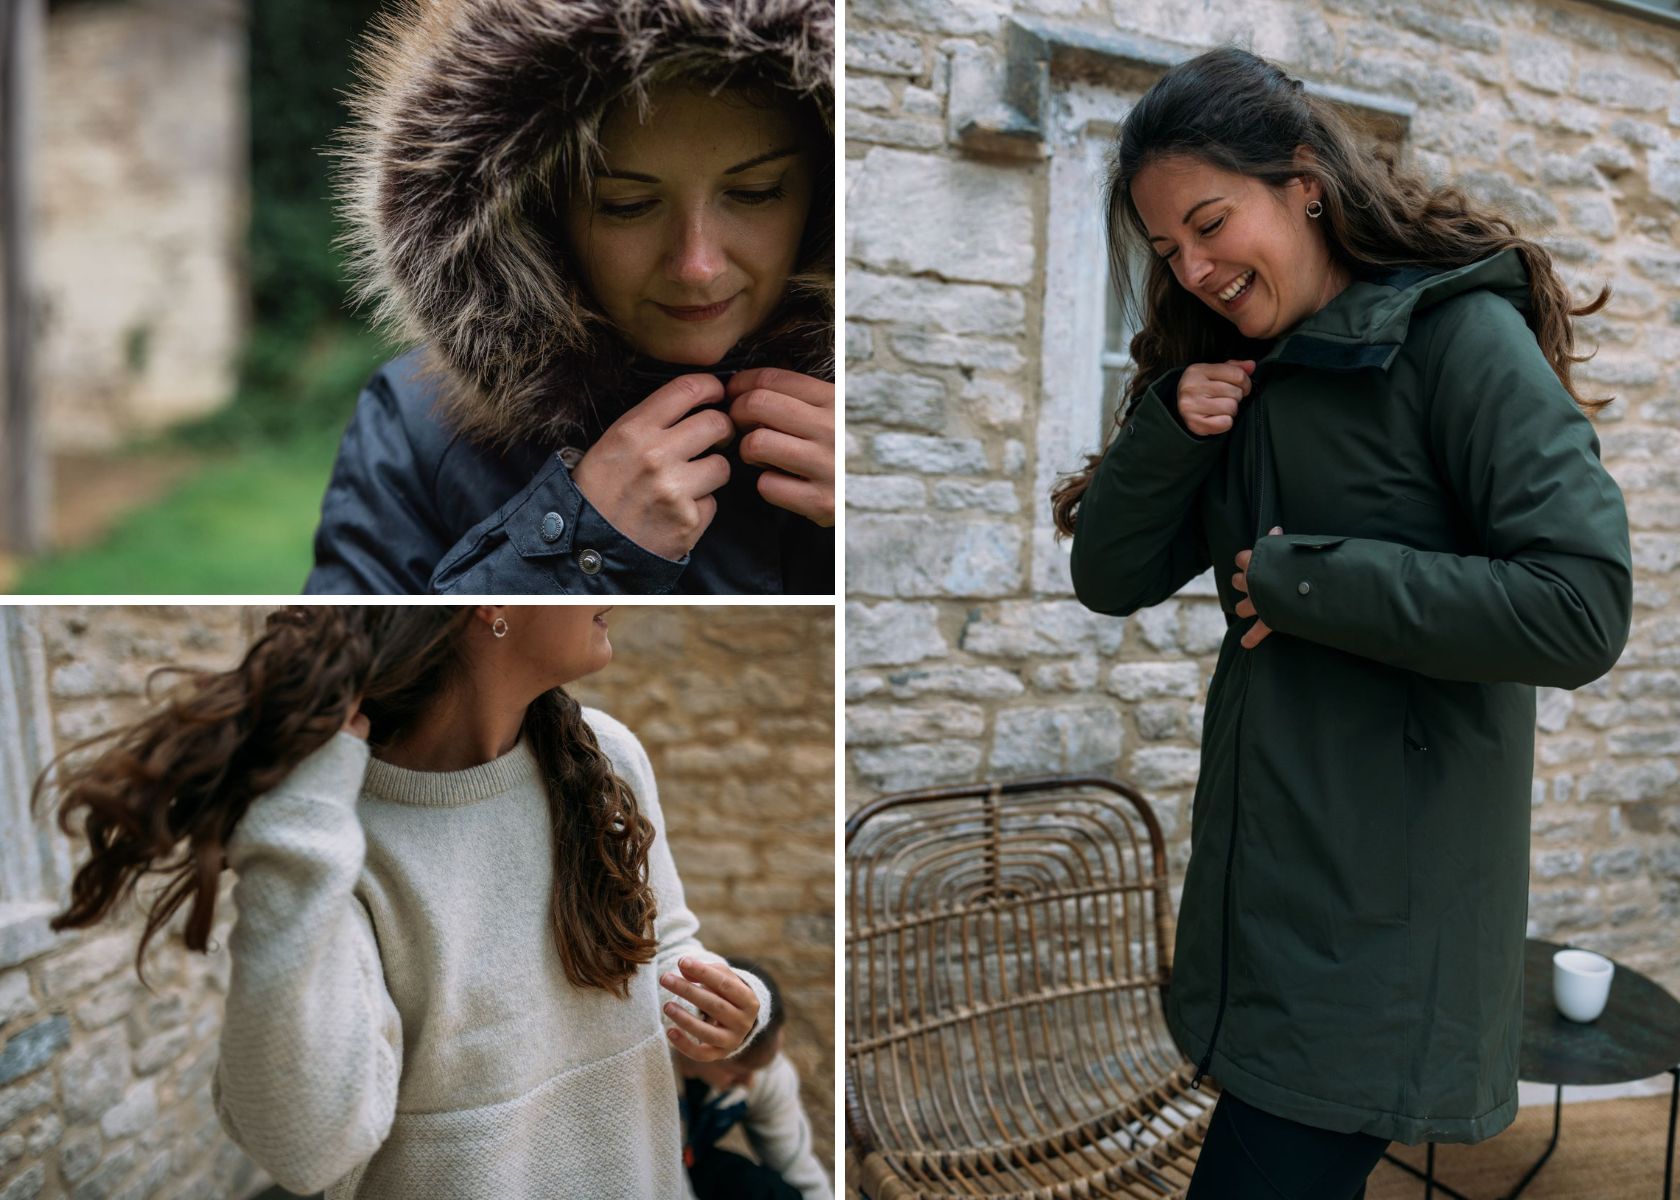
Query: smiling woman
point(1354, 389)
point(462, 956)
point(619, 278)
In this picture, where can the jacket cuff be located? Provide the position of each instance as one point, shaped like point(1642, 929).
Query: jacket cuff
point(548, 538)
point(1287, 579)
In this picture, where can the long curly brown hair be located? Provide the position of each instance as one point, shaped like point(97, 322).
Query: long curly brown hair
point(1243, 114)
point(163, 795)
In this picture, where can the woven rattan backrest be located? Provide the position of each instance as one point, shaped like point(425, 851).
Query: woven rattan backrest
point(1008, 946)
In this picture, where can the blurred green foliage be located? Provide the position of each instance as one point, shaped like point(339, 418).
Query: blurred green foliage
point(307, 354)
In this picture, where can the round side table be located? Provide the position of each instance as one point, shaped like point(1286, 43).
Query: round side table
point(1636, 1037)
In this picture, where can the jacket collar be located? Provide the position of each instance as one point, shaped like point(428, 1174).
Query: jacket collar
point(1366, 324)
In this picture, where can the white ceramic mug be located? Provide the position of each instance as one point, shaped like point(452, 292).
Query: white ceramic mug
point(1581, 983)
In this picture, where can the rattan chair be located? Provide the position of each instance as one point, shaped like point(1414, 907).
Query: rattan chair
point(1008, 947)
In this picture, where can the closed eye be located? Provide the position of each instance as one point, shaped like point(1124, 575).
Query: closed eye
point(635, 208)
point(1208, 230)
point(759, 195)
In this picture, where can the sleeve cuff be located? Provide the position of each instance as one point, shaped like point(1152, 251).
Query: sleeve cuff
point(1287, 576)
point(549, 539)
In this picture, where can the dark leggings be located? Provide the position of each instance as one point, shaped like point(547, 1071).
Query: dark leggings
point(1253, 1155)
point(725, 1175)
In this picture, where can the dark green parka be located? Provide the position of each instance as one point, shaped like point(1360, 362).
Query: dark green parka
point(1350, 938)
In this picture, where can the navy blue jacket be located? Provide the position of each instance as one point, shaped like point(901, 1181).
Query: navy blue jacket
point(414, 507)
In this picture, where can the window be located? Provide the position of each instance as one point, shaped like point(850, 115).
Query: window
point(34, 857)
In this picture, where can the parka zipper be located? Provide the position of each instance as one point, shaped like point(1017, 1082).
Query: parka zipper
point(1257, 441)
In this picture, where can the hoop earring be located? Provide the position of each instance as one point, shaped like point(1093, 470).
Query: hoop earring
point(499, 627)
point(1315, 209)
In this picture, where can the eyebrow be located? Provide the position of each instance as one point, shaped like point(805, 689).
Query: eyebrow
point(768, 156)
point(1161, 237)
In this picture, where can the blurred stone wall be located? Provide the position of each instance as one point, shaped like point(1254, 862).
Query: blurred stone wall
point(736, 708)
point(141, 170)
point(105, 1087)
point(975, 263)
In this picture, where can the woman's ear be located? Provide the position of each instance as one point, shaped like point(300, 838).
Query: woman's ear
point(1311, 188)
point(486, 614)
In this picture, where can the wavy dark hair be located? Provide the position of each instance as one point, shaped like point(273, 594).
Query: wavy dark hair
point(1242, 114)
point(162, 796)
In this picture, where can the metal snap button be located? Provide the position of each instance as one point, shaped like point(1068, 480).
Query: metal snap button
point(590, 562)
point(1303, 587)
point(553, 525)
point(571, 456)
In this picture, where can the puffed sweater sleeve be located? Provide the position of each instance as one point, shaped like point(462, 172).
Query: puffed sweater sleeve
point(1138, 538)
point(780, 1132)
point(676, 928)
point(1549, 603)
point(311, 1044)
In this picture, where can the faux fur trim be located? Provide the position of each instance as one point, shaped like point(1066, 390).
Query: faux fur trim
point(465, 110)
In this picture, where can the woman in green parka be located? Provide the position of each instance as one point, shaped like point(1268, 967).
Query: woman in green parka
point(1352, 399)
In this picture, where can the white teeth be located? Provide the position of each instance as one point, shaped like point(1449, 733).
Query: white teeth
point(1237, 285)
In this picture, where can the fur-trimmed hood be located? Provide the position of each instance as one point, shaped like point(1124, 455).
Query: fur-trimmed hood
point(467, 112)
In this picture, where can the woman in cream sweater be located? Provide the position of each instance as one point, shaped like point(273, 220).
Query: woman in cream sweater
point(456, 906)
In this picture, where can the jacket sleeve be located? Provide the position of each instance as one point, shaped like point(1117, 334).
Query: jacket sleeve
point(379, 534)
point(676, 928)
point(311, 1044)
point(548, 540)
point(1139, 538)
point(1551, 600)
point(780, 1132)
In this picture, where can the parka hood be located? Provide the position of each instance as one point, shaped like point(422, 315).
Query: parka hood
point(1366, 324)
point(467, 116)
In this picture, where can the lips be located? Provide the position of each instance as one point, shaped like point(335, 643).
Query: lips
point(696, 312)
point(1236, 288)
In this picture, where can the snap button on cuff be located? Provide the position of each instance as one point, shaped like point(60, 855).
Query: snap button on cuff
point(1303, 587)
point(553, 525)
point(590, 562)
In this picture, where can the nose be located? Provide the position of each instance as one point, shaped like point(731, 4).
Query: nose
point(696, 255)
point(1195, 268)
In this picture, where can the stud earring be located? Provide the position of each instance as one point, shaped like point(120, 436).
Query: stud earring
point(499, 627)
point(1315, 209)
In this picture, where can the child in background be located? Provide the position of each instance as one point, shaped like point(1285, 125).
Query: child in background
point(760, 1090)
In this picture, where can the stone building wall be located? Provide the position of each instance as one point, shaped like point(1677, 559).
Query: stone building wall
point(105, 1087)
point(975, 325)
point(141, 169)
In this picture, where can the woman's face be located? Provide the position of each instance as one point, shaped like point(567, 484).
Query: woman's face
point(552, 644)
point(692, 230)
point(1235, 243)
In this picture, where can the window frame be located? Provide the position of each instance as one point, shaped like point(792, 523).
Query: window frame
point(35, 865)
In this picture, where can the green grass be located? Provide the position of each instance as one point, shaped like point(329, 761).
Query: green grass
point(241, 525)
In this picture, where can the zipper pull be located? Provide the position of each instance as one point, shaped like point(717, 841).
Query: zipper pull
point(1207, 1061)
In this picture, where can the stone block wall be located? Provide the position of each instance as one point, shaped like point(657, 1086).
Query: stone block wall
point(973, 328)
point(105, 1086)
point(140, 173)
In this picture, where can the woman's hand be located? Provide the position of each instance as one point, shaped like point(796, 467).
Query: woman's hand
point(728, 1009)
point(1258, 631)
point(646, 475)
point(1209, 393)
point(787, 422)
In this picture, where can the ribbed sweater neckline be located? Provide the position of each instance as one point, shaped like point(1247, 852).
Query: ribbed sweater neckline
point(516, 770)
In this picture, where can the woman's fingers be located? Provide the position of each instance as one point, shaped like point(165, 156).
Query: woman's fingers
point(789, 383)
point(810, 500)
point(706, 1000)
point(1256, 634)
point(721, 978)
point(701, 1031)
point(796, 456)
point(698, 1051)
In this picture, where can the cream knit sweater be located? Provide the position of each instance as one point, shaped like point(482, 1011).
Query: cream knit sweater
point(398, 1025)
